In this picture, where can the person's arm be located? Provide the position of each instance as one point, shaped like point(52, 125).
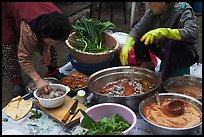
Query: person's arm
point(136, 33)
point(27, 43)
point(159, 33)
point(46, 56)
point(188, 26)
point(143, 26)
point(186, 31)
point(129, 44)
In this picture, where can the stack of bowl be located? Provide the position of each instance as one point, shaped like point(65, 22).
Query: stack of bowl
point(89, 69)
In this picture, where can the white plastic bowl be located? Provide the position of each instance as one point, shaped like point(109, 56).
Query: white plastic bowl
point(97, 112)
point(54, 102)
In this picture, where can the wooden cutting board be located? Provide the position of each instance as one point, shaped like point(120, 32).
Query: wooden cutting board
point(59, 112)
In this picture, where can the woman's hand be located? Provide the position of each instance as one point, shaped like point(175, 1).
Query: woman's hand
point(159, 33)
point(42, 86)
point(127, 47)
point(46, 57)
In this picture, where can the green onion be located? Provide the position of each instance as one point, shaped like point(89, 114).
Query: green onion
point(89, 34)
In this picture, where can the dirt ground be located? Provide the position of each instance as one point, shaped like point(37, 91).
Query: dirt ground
point(62, 49)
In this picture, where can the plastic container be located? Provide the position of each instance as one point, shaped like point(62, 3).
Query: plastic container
point(89, 69)
point(99, 111)
point(81, 96)
point(93, 58)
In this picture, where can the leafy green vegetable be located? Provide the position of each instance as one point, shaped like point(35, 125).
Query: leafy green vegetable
point(87, 122)
point(114, 125)
point(35, 115)
point(89, 34)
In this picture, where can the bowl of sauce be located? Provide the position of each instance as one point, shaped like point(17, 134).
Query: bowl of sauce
point(162, 120)
point(187, 85)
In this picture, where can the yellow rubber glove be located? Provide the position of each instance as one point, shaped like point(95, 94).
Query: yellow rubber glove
point(129, 44)
point(149, 37)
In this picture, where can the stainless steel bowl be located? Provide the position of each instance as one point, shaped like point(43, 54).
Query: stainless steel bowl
point(99, 79)
point(31, 87)
point(161, 130)
point(185, 80)
point(75, 81)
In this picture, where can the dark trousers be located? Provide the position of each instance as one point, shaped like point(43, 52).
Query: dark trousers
point(176, 55)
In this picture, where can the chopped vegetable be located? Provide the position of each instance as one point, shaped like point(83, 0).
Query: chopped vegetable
point(35, 115)
point(113, 125)
point(89, 34)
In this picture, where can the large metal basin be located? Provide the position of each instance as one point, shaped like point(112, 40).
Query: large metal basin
point(162, 130)
point(185, 80)
point(100, 78)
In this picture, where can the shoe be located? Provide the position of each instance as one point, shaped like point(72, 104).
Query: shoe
point(18, 90)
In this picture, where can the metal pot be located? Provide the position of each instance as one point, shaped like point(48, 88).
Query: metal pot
point(161, 130)
point(185, 80)
point(31, 86)
point(99, 79)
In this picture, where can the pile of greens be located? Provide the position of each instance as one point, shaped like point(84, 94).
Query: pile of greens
point(89, 36)
point(114, 125)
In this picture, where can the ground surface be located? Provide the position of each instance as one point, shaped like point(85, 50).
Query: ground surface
point(75, 11)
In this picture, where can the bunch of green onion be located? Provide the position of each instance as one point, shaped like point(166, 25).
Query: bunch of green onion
point(89, 34)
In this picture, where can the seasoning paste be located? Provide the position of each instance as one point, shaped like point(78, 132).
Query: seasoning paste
point(193, 91)
point(161, 116)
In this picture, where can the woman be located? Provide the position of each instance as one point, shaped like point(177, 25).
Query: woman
point(169, 31)
point(28, 26)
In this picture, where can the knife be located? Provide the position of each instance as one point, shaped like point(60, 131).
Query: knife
point(70, 111)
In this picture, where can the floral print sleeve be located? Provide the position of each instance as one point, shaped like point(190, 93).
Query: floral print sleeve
point(27, 43)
